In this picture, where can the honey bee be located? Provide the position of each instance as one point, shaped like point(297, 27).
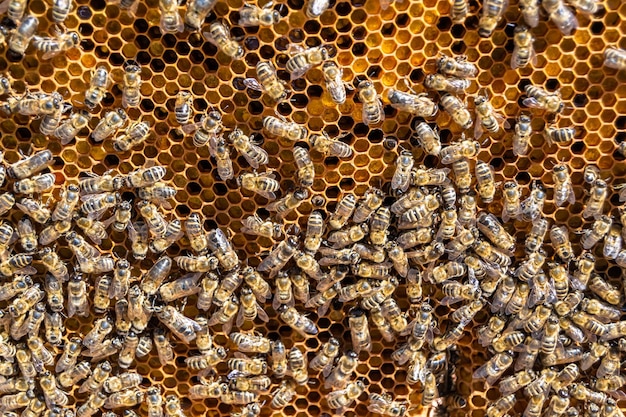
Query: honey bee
point(34, 209)
point(253, 154)
point(315, 8)
point(249, 410)
point(21, 37)
point(298, 366)
point(532, 207)
point(283, 395)
point(542, 99)
point(251, 342)
point(359, 331)
point(206, 131)
point(55, 45)
point(29, 166)
point(172, 403)
point(561, 243)
point(333, 75)
point(486, 186)
point(97, 87)
point(138, 233)
point(163, 346)
point(40, 103)
point(136, 133)
point(306, 169)
point(180, 325)
point(198, 263)
point(77, 296)
point(197, 11)
point(341, 399)
point(561, 15)
point(523, 52)
point(492, 13)
point(428, 138)
point(604, 290)
point(258, 285)
point(402, 175)
point(599, 229)
point(459, 10)
point(226, 314)
point(37, 184)
point(173, 232)
point(301, 60)
point(384, 405)
point(14, 9)
point(416, 104)
point(530, 12)
point(521, 137)
point(251, 16)
point(220, 245)
point(450, 85)
point(219, 35)
point(254, 225)
point(372, 105)
point(71, 376)
point(300, 323)
point(207, 361)
point(263, 183)
point(329, 147)
point(127, 398)
point(250, 308)
point(248, 366)
point(456, 67)
point(563, 189)
point(597, 197)
point(615, 58)
point(221, 153)
point(183, 106)
point(109, 124)
point(154, 401)
point(457, 151)
point(554, 135)
point(171, 21)
point(613, 243)
point(95, 381)
point(279, 359)
point(486, 117)
point(100, 184)
point(268, 81)
point(323, 361)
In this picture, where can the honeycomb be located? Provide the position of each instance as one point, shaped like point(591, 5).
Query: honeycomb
point(391, 46)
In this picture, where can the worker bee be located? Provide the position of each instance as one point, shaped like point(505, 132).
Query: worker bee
point(254, 154)
point(109, 124)
point(440, 82)
point(289, 202)
point(456, 151)
point(55, 45)
point(423, 176)
point(254, 225)
point(416, 104)
point(343, 398)
point(532, 207)
point(37, 184)
point(27, 234)
point(251, 342)
point(219, 35)
point(428, 138)
point(485, 183)
point(251, 16)
point(333, 75)
point(250, 308)
point(359, 331)
point(489, 225)
point(29, 166)
point(138, 233)
point(521, 137)
point(457, 111)
point(542, 99)
point(226, 314)
point(597, 197)
point(144, 177)
point(207, 130)
point(530, 12)
point(300, 323)
point(561, 15)
point(163, 346)
point(599, 229)
point(301, 60)
point(183, 107)
point(456, 67)
point(298, 366)
point(97, 87)
point(221, 153)
point(171, 21)
point(615, 58)
point(486, 117)
point(305, 168)
point(523, 52)
point(21, 37)
point(95, 381)
point(372, 105)
point(554, 135)
point(323, 361)
point(563, 189)
point(402, 175)
point(127, 398)
point(330, 147)
point(268, 81)
point(511, 208)
point(343, 211)
point(384, 405)
point(283, 395)
point(197, 11)
point(279, 359)
point(135, 134)
point(315, 8)
point(263, 183)
point(180, 325)
point(492, 13)
point(314, 232)
point(14, 9)
point(223, 250)
point(94, 184)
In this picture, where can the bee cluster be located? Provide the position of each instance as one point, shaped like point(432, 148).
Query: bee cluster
point(407, 271)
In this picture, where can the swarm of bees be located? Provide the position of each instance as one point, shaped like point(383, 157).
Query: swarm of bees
point(420, 263)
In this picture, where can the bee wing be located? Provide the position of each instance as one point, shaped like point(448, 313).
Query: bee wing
point(240, 319)
point(192, 127)
point(571, 197)
point(228, 326)
point(51, 54)
point(532, 103)
point(253, 84)
point(327, 369)
point(300, 72)
point(207, 36)
point(262, 314)
point(478, 127)
point(4, 6)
